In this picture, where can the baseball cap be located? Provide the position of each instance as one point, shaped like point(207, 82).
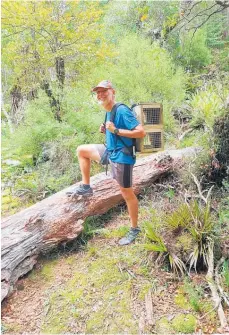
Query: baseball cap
point(103, 84)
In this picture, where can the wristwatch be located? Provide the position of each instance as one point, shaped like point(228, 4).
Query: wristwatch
point(116, 131)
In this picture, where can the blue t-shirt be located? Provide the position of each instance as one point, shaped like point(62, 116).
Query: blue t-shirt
point(124, 119)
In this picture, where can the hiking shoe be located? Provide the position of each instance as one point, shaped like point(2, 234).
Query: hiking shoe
point(130, 237)
point(80, 190)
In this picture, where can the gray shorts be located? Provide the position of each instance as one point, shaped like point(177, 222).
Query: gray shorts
point(122, 173)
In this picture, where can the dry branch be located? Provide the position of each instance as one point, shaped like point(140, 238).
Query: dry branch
point(222, 293)
point(149, 308)
point(215, 296)
point(205, 199)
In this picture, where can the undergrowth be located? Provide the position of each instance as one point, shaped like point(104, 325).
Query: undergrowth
point(103, 287)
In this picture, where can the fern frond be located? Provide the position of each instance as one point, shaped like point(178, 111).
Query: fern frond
point(155, 247)
point(193, 257)
point(176, 264)
point(180, 217)
point(151, 233)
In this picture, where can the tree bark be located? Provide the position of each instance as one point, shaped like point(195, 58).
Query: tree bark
point(59, 218)
point(60, 71)
point(16, 104)
point(54, 103)
point(8, 118)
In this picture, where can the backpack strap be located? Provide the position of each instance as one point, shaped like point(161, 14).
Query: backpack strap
point(114, 110)
point(113, 113)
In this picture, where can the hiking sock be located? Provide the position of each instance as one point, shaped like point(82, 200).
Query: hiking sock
point(86, 187)
point(135, 229)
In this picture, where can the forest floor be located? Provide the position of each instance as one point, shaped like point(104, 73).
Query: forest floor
point(102, 288)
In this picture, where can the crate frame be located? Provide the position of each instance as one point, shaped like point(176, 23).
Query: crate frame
point(150, 128)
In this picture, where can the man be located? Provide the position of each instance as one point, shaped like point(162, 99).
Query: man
point(126, 127)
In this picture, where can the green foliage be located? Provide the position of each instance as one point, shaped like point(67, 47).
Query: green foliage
point(225, 275)
point(202, 229)
point(170, 194)
point(224, 209)
point(184, 242)
point(159, 245)
point(221, 139)
point(118, 232)
point(51, 31)
point(191, 296)
point(194, 295)
point(47, 271)
point(181, 323)
point(10, 204)
point(82, 114)
point(145, 72)
point(46, 149)
point(180, 217)
point(221, 58)
point(163, 326)
point(121, 18)
point(193, 52)
point(147, 75)
point(207, 105)
point(181, 300)
point(184, 323)
point(143, 17)
point(215, 29)
point(95, 225)
point(197, 138)
point(38, 127)
point(197, 228)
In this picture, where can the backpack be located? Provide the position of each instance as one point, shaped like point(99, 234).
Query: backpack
point(129, 150)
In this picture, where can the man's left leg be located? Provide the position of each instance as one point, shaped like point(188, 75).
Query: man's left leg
point(132, 205)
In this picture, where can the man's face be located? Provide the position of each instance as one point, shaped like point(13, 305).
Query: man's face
point(105, 96)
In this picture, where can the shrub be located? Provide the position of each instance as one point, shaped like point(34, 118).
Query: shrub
point(221, 135)
point(197, 226)
point(144, 72)
point(193, 52)
point(206, 106)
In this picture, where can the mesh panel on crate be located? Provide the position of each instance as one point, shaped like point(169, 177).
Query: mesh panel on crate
point(153, 140)
point(151, 115)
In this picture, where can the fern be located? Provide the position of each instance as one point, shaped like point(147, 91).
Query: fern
point(180, 217)
point(159, 246)
point(151, 234)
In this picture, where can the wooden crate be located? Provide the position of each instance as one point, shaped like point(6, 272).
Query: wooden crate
point(150, 115)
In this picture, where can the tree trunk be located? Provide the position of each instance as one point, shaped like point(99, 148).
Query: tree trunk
point(59, 218)
point(60, 71)
point(54, 103)
point(7, 115)
point(16, 104)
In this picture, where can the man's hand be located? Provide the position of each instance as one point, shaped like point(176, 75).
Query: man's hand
point(110, 126)
point(102, 128)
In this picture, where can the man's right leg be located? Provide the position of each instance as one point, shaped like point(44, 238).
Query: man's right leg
point(86, 153)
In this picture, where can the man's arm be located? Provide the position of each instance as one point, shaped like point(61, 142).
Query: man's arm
point(137, 132)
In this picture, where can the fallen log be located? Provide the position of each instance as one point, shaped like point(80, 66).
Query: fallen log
point(59, 218)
